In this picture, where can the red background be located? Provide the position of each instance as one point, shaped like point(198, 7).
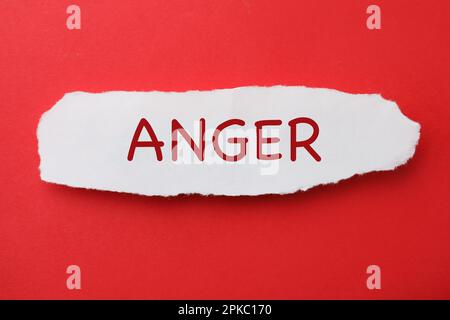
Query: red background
point(314, 244)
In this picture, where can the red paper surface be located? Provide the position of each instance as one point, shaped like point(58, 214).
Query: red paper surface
point(315, 244)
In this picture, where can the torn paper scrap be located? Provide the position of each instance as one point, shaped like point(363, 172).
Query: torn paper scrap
point(241, 141)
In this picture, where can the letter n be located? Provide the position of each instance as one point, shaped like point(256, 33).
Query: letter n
point(199, 149)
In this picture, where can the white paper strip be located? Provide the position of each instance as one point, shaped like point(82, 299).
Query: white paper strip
point(325, 136)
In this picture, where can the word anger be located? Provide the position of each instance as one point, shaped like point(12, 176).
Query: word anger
point(198, 147)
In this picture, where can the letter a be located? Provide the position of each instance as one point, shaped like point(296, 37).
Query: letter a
point(374, 280)
point(155, 143)
point(74, 20)
point(74, 280)
point(374, 20)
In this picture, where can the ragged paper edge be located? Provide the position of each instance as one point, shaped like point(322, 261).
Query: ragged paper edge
point(411, 152)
